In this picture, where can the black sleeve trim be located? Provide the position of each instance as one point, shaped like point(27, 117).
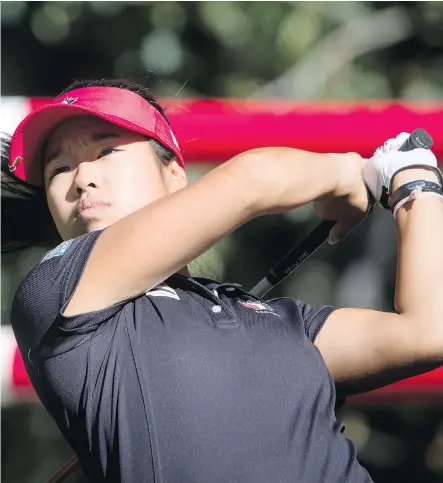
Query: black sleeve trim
point(316, 319)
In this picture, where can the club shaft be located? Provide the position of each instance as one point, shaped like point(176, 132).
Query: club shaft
point(294, 258)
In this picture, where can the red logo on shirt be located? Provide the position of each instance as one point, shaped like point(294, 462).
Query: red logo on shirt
point(258, 307)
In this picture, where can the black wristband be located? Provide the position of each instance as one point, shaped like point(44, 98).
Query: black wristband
point(405, 190)
point(430, 168)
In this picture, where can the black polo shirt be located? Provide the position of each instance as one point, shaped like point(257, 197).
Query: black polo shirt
point(193, 382)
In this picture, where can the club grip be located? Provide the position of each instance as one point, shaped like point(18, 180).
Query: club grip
point(419, 138)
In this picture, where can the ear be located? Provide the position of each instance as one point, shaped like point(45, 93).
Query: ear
point(175, 176)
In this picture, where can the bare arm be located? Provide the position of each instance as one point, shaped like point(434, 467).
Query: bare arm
point(366, 349)
point(158, 240)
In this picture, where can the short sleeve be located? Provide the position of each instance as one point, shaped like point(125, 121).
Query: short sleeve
point(42, 296)
point(312, 318)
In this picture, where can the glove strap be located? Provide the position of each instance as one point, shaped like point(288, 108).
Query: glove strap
point(412, 166)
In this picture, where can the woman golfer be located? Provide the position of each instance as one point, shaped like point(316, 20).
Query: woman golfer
point(155, 376)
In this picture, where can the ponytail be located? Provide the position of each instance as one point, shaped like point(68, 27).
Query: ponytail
point(26, 220)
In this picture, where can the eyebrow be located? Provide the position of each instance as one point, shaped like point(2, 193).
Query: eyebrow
point(93, 137)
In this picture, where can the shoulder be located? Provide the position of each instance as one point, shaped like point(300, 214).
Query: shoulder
point(58, 251)
point(48, 271)
point(42, 292)
point(63, 252)
point(38, 304)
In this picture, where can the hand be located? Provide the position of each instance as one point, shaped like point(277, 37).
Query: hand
point(379, 171)
point(350, 203)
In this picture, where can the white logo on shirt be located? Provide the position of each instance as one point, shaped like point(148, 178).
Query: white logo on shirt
point(58, 251)
point(163, 291)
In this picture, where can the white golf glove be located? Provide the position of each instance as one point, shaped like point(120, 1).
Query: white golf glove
point(379, 170)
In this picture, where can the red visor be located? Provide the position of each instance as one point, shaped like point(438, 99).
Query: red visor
point(118, 106)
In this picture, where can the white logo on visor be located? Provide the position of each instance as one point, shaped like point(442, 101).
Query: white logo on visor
point(69, 100)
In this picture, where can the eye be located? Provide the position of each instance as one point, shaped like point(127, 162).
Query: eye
point(107, 151)
point(58, 170)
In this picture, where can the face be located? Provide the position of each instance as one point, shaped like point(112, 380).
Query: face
point(97, 173)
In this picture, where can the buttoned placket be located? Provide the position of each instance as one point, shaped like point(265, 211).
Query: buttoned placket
point(222, 313)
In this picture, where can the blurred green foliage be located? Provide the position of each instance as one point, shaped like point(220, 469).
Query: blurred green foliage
point(223, 48)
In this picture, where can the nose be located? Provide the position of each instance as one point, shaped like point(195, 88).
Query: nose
point(85, 177)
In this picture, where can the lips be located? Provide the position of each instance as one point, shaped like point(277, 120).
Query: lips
point(86, 204)
point(89, 205)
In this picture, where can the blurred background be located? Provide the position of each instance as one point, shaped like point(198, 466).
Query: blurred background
point(309, 52)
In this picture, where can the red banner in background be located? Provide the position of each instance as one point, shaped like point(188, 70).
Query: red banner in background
point(214, 130)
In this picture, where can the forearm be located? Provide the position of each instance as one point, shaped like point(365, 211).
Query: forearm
point(419, 289)
point(281, 179)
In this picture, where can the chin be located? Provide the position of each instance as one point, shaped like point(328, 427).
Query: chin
point(96, 226)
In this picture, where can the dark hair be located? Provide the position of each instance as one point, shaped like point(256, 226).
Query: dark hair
point(26, 220)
